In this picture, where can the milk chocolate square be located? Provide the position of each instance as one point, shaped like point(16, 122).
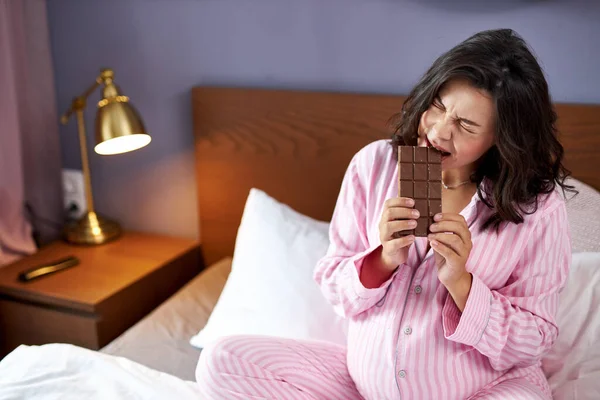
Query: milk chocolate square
point(420, 172)
point(406, 188)
point(435, 207)
point(406, 153)
point(406, 172)
point(434, 190)
point(422, 206)
point(420, 190)
point(434, 157)
point(420, 178)
point(420, 156)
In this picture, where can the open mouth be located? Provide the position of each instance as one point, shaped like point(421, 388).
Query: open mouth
point(442, 151)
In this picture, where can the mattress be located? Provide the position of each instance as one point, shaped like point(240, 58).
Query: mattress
point(161, 339)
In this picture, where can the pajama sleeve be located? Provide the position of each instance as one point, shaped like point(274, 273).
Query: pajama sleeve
point(515, 325)
point(338, 272)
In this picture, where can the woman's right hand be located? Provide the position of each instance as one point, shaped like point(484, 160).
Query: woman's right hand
point(397, 216)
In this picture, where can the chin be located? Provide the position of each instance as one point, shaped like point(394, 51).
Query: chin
point(450, 163)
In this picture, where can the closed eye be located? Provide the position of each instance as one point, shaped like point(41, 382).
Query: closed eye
point(467, 122)
point(466, 127)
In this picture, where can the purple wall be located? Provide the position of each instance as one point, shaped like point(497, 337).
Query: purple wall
point(161, 48)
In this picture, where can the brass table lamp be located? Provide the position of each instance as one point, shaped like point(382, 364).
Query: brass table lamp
point(119, 129)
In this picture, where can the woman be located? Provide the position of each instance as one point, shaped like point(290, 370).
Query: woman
point(467, 312)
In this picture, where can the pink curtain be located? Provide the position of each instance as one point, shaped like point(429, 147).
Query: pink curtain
point(29, 142)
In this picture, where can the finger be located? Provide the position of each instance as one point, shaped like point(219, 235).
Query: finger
point(398, 226)
point(449, 217)
point(452, 226)
point(395, 213)
point(444, 251)
point(452, 241)
point(399, 202)
point(400, 243)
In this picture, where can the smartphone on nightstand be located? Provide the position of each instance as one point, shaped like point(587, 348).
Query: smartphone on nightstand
point(48, 269)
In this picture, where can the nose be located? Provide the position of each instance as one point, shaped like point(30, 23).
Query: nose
point(440, 128)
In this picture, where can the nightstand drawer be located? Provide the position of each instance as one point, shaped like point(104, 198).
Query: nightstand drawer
point(32, 324)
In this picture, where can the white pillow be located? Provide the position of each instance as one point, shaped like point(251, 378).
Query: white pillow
point(270, 290)
point(573, 364)
point(583, 212)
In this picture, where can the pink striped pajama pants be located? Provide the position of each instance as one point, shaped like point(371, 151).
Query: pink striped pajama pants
point(257, 367)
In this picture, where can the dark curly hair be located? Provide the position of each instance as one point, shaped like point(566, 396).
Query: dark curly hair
point(526, 159)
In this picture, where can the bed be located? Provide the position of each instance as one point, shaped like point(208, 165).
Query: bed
point(282, 154)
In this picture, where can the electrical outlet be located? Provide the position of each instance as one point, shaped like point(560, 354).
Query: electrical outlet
point(73, 193)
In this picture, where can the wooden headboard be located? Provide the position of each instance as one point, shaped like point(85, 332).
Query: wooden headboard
point(296, 145)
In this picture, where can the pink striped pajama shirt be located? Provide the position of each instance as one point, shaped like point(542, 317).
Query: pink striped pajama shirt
point(407, 339)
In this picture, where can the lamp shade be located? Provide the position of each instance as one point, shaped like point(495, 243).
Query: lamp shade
point(119, 127)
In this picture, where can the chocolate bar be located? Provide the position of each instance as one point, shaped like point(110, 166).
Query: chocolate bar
point(420, 178)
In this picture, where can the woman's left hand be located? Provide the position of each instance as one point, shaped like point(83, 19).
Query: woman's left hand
point(450, 239)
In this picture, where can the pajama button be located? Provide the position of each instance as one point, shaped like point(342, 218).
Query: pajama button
point(407, 330)
point(418, 289)
point(402, 374)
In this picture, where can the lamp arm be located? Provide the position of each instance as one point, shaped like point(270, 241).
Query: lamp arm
point(77, 107)
point(80, 102)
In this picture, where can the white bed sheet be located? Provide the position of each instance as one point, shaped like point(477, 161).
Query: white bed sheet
point(65, 372)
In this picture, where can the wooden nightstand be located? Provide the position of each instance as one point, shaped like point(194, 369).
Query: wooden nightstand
point(114, 286)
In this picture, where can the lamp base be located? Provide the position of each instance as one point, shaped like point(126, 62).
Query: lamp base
point(92, 229)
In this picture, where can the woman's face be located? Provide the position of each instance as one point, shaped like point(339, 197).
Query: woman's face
point(460, 123)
